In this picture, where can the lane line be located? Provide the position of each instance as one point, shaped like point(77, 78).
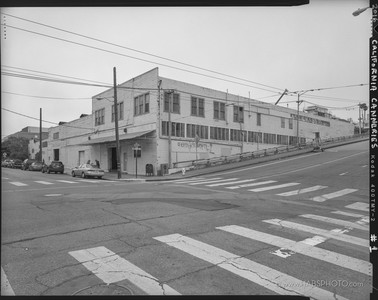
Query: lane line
point(337, 259)
point(302, 191)
point(359, 206)
point(347, 214)
point(336, 221)
point(66, 181)
point(44, 182)
point(250, 184)
point(18, 183)
point(273, 187)
point(111, 268)
point(227, 183)
point(336, 234)
point(264, 276)
point(340, 193)
point(6, 288)
point(342, 174)
point(213, 181)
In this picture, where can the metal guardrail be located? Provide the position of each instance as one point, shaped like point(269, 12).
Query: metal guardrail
point(208, 162)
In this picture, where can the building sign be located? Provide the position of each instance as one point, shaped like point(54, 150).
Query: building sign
point(191, 146)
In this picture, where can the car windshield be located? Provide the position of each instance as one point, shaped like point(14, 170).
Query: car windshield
point(93, 166)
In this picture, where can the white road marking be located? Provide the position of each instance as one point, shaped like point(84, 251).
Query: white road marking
point(90, 181)
point(315, 240)
point(300, 247)
point(273, 187)
point(264, 276)
point(18, 183)
point(6, 289)
point(194, 180)
point(53, 195)
point(342, 174)
point(359, 206)
point(340, 193)
point(302, 191)
point(213, 181)
point(67, 181)
point(364, 166)
point(44, 182)
point(111, 268)
point(5, 178)
point(228, 183)
point(336, 234)
point(348, 214)
point(335, 221)
point(250, 184)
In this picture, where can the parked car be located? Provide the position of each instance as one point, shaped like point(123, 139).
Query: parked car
point(55, 166)
point(88, 170)
point(36, 166)
point(26, 163)
point(16, 164)
point(6, 162)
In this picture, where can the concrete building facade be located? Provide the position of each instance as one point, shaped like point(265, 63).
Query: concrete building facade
point(205, 123)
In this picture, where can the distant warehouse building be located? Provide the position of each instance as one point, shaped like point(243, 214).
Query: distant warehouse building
point(221, 123)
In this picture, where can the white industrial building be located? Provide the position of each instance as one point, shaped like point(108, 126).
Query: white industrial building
point(223, 124)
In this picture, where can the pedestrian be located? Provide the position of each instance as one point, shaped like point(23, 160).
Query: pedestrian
point(89, 162)
point(97, 163)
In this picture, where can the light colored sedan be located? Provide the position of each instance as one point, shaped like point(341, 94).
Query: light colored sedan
point(87, 170)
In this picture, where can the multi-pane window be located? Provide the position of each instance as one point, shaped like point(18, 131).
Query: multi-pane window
point(238, 135)
point(177, 129)
point(255, 137)
point(282, 139)
point(175, 103)
point(142, 104)
point(219, 110)
point(197, 107)
point(218, 133)
point(282, 122)
point(119, 111)
point(290, 123)
point(270, 138)
point(56, 135)
point(99, 116)
point(238, 114)
point(258, 119)
point(201, 131)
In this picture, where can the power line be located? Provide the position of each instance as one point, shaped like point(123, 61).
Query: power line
point(43, 97)
point(142, 52)
point(144, 60)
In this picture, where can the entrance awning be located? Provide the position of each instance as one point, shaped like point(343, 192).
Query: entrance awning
point(122, 137)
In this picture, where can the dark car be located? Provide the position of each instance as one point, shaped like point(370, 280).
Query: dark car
point(36, 166)
point(26, 163)
point(16, 164)
point(55, 166)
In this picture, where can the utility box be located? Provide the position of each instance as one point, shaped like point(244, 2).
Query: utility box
point(149, 170)
point(164, 169)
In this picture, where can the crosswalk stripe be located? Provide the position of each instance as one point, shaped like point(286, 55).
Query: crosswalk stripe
point(66, 181)
point(302, 248)
point(335, 221)
point(212, 181)
point(273, 187)
point(269, 278)
point(250, 184)
point(228, 183)
point(302, 191)
point(333, 234)
point(325, 197)
point(44, 182)
point(111, 268)
point(348, 214)
point(90, 181)
point(359, 206)
point(194, 180)
point(18, 183)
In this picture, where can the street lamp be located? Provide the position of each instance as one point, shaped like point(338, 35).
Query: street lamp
point(118, 152)
point(359, 11)
point(299, 93)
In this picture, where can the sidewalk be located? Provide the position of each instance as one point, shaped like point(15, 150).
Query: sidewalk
point(225, 167)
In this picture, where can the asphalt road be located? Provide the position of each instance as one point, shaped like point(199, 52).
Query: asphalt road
point(297, 226)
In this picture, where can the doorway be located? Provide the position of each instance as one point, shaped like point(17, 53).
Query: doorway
point(113, 158)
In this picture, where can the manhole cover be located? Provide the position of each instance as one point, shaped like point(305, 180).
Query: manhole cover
point(102, 289)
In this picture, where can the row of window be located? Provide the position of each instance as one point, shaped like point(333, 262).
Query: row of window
point(226, 134)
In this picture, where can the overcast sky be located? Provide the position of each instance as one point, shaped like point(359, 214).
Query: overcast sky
point(315, 46)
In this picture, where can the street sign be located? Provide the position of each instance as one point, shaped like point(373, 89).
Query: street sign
point(137, 150)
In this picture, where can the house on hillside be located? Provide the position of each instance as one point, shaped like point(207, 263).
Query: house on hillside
point(205, 123)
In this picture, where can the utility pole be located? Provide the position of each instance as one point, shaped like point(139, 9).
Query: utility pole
point(170, 98)
point(359, 118)
point(118, 152)
point(40, 133)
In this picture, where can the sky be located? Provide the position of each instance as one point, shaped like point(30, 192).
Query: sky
point(255, 52)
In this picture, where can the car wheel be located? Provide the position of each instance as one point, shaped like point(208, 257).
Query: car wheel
point(83, 175)
point(99, 177)
point(73, 174)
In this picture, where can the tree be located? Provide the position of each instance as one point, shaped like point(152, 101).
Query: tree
point(16, 147)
